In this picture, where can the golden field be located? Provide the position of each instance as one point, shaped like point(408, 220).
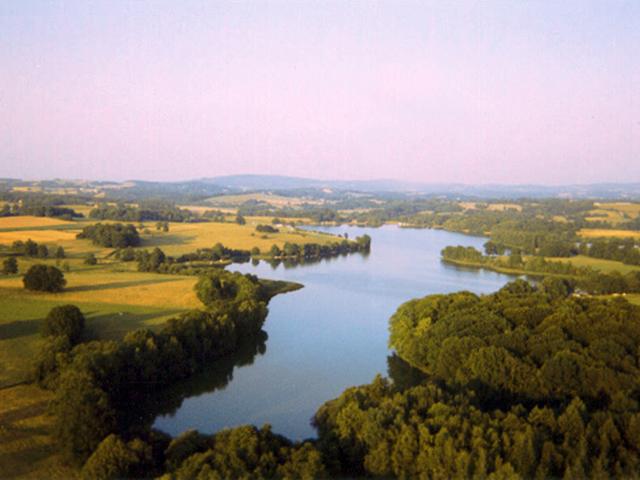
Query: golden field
point(188, 237)
point(39, 236)
point(27, 221)
point(605, 233)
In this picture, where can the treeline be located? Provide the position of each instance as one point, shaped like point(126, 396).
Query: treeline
point(30, 248)
point(151, 212)
point(115, 235)
point(97, 382)
point(585, 278)
point(157, 261)
point(524, 383)
point(312, 251)
point(623, 250)
point(10, 210)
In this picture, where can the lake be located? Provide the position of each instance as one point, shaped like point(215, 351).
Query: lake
point(328, 336)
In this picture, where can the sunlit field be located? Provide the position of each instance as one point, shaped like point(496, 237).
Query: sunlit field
point(30, 221)
point(606, 266)
point(604, 233)
point(188, 237)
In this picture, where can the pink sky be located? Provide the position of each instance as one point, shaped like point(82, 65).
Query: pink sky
point(472, 92)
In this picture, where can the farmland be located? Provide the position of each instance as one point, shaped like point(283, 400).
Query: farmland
point(606, 233)
point(113, 296)
point(606, 266)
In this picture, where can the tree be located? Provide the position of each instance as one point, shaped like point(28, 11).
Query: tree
point(275, 251)
point(64, 320)
point(60, 253)
point(90, 259)
point(115, 459)
point(30, 248)
point(255, 251)
point(43, 251)
point(44, 278)
point(10, 266)
point(240, 220)
point(83, 414)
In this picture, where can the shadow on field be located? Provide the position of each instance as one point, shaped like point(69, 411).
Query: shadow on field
point(168, 239)
point(114, 326)
point(113, 285)
point(19, 328)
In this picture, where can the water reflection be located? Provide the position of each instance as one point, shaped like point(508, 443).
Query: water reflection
point(402, 374)
point(214, 377)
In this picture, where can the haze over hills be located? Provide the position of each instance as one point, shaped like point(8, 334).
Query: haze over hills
point(282, 184)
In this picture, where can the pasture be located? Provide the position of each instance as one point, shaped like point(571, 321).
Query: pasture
point(602, 265)
point(188, 237)
point(27, 444)
point(113, 303)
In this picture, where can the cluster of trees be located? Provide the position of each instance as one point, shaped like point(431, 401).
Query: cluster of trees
point(150, 212)
point(625, 250)
point(115, 235)
point(97, 382)
point(311, 251)
point(266, 229)
point(524, 383)
point(157, 261)
point(44, 278)
point(37, 250)
point(38, 210)
point(244, 452)
point(215, 216)
point(586, 278)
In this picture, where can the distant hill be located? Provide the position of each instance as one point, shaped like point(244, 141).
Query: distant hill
point(276, 182)
point(189, 190)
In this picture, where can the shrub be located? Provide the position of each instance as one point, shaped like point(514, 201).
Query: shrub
point(44, 278)
point(10, 266)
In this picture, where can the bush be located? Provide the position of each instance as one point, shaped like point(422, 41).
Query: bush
point(65, 320)
point(44, 278)
point(90, 259)
point(10, 266)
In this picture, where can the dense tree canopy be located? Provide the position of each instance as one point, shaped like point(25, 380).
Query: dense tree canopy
point(114, 235)
point(66, 320)
point(44, 278)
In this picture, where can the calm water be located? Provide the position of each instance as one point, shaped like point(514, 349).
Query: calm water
point(330, 335)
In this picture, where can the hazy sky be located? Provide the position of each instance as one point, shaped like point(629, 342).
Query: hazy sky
point(473, 92)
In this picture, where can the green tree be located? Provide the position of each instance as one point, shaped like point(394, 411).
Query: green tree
point(43, 251)
point(64, 320)
point(240, 220)
point(60, 253)
point(44, 278)
point(116, 459)
point(90, 259)
point(10, 266)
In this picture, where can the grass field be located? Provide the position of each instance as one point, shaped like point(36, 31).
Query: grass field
point(605, 233)
point(113, 303)
point(29, 221)
point(187, 237)
point(597, 264)
point(614, 212)
point(27, 445)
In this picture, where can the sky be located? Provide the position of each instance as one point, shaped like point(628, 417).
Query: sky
point(536, 91)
